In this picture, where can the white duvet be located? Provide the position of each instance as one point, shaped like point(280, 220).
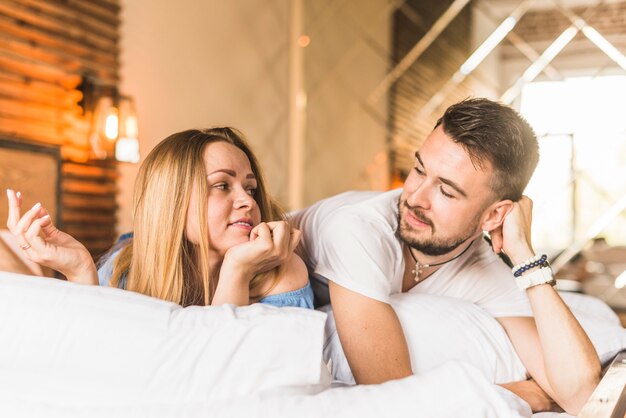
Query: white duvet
point(68, 350)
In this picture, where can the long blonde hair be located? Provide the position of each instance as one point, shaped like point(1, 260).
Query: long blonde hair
point(161, 262)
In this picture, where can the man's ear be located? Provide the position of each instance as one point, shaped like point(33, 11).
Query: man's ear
point(495, 214)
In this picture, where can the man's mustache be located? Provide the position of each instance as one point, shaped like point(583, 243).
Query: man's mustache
point(419, 215)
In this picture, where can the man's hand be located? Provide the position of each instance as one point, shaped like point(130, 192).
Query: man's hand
point(530, 391)
point(513, 236)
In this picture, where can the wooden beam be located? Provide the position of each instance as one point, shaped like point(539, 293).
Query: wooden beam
point(37, 111)
point(44, 54)
point(22, 14)
point(93, 9)
point(72, 17)
point(43, 130)
point(74, 153)
point(29, 92)
point(37, 36)
point(418, 49)
point(45, 48)
point(69, 201)
point(609, 398)
point(88, 216)
point(37, 70)
point(84, 187)
point(89, 171)
point(297, 107)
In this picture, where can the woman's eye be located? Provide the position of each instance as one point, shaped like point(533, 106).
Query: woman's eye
point(221, 186)
point(251, 191)
point(418, 171)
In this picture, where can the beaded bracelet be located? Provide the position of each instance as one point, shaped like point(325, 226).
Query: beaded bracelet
point(538, 260)
point(520, 265)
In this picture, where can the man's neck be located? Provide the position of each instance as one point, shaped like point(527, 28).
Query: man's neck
point(428, 264)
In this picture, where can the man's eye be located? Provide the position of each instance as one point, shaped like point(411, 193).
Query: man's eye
point(443, 192)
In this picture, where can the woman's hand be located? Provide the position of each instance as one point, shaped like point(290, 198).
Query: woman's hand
point(270, 244)
point(43, 243)
point(514, 235)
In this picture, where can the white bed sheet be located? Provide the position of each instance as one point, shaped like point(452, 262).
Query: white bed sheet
point(231, 362)
point(440, 330)
point(451, 391)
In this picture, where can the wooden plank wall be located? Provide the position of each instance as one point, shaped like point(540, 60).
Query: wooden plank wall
point(426, 76)
point(45, 48)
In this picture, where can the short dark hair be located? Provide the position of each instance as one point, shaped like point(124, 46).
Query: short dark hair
point(496, 133)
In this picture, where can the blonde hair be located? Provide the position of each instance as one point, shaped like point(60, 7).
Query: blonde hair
point(160, 261)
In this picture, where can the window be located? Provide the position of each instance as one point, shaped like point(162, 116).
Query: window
point(582, 169)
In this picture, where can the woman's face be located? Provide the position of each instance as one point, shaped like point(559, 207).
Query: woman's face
point(232, 211)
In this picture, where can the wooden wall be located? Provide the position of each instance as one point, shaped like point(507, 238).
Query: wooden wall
point(427, 75)
point(46, 46)
point(424, 78)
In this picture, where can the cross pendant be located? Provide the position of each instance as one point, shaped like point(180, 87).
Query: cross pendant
point(417, 271)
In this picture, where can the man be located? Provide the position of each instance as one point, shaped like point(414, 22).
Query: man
point(469, 176)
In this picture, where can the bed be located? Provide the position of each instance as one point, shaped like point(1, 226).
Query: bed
point(75, 350)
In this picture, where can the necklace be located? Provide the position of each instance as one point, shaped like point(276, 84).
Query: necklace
point(419, 266)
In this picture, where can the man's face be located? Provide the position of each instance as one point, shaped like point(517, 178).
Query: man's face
point(445, 197)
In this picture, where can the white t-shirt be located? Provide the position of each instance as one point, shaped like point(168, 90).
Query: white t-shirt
point(351, 240)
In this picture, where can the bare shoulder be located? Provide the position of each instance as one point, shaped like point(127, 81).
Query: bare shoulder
point(293, 275)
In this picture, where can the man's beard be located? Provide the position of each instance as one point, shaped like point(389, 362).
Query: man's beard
point(432, 246)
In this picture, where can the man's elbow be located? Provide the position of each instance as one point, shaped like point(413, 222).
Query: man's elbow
point(579, 394)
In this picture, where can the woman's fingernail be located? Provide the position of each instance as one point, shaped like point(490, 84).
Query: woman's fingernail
point(19, 194)
point(9, 191)
point(36, 206)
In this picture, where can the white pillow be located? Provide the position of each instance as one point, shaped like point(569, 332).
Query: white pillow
point(600, 323)
point(77, 345)
point(439, 329)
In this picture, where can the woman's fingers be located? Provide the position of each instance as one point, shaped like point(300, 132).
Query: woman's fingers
point(14, 209)
point(262, 231)
point(296, 234)
point(47, 226)
point(38, 249)
point(280, 237)
point(24, 223)
point(19, 229)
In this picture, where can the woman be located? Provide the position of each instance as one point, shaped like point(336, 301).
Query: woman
point(233, 245)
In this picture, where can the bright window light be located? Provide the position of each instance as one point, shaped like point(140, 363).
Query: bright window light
point(582, 168)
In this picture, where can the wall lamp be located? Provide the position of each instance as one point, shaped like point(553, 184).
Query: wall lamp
point(113, 130)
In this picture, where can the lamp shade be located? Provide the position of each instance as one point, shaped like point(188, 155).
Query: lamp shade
point(127, 146)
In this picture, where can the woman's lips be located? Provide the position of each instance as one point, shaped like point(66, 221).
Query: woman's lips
point(245, 225)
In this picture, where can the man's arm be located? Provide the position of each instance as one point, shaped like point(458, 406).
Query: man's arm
point(371, 337)
point(555, 350)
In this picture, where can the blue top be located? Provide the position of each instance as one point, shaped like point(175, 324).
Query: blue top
point(299, 298)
